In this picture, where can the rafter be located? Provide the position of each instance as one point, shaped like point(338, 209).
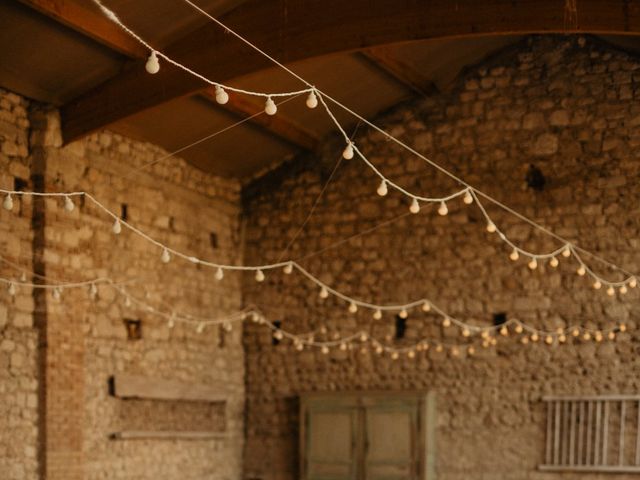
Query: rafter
point(90, 22)
point(294, 31)
point(277, 125)
point(400, 71)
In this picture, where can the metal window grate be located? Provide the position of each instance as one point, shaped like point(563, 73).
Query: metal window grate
point(595, 434)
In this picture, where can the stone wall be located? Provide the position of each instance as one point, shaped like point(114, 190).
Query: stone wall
point(568, 105)
point(85, 341)
point(19, 378)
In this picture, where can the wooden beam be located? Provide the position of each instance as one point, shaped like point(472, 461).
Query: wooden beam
point(400, 71)
point(90, 22)
point(277, 125)
point(292, 31)
point(136, 386)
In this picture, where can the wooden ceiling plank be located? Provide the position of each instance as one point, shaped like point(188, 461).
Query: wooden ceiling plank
point(276, 125)
point(400, 71)
point(292, 31)
point(89, 22)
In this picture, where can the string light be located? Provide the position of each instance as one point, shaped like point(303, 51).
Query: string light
point(504, 331)
point(93, 291)
point(533, 264)
point(324, 293)
point(446, 322)
point(153, 65)
point(219, 275)
point(259, 276)
point(312, 100)
point(611, 291)
point(586, 336)
point(553, 262)
point(491, 227)
point(353, 308)
point(270, 107)
point(166, 256)
point(443, 210)
point(11, 289)
point(468, 198)
point(325, 349)
point(288, 269)
point(566, 252)
point(597, 285)
point(518, 329)
point(403, 314)
point(222, 96)
point(466, 332)
point(171, 322)
point(633, 283)
point(623, 289)
point(411, 354)
point(581, 271)
point(415, 206)
point(382, 189)
point(68, 204)
point(623, 327)
point(117, 228)
point(8, 202)
point(200, 327)
point(514, 255)
point(535, 337)
point(56, 294)
point(347, 153)
point(377, 315)
point(426, 307)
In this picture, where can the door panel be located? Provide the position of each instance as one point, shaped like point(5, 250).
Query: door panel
point(331, 444)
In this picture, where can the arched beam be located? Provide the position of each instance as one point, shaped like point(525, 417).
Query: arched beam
point(296, 30)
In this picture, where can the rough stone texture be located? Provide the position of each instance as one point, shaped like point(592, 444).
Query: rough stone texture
point(18, 338)
point(570, 110)
point(84, 341)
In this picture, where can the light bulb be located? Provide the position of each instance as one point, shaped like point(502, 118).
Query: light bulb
point(23, 277)
point(485, 334)
point(379, 349)
point(562, 338)
point(324, 293)
point(364, 337)
point(514, 255)
point(278, 335)
point(426, 306)
point(533, 264)
point(171, 322)
point(259, 276)
point(11, 289)
point(611, 336)
point(93, 291)
point(442, 209)
point(466, 332)
point(548, 339)
point(222, 96)
point(491, 227)
point(566, 253)
point(56, 294)
point(343, 346)
point(270, 107)
point(219, 275)
point(394, 356)
point(312, 100)
point(166, 256)
point(68, 204)
point(622, 327)
point(471, 351)
point(586, 336)
point(403, 314)
point(611, 291)
point(554, 262)
point(353, 308)
point(200, 327)
point(382, 189)
point(347, 153)
point(153, 65)
point(504, 331)
point(581, 270)
point(633, 283)
point(446, 323)
point(117, 228)
point(623, 289)
point(524, 340)
point(299, 346)
point(575, 332)
point(454, 351)
point(535, 337)
point(325, 349)
point(411, 354)
point(288, 268)
point(598, 336)
point(519, 328)
point(597, 285)
point(227, 326)
point(377, 315)
point(468, 198)
point(127, 301)
point(8, 202)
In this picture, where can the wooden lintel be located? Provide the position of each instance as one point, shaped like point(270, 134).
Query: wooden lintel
point(277, 125)
point(136, 386)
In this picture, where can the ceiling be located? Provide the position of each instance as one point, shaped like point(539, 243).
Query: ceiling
point(59, 55)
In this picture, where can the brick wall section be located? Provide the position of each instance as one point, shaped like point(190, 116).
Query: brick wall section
point(568, 105)
point(86, 341)
point(18, 338)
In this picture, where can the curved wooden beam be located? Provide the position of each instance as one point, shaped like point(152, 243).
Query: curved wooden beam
point(292, 31)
